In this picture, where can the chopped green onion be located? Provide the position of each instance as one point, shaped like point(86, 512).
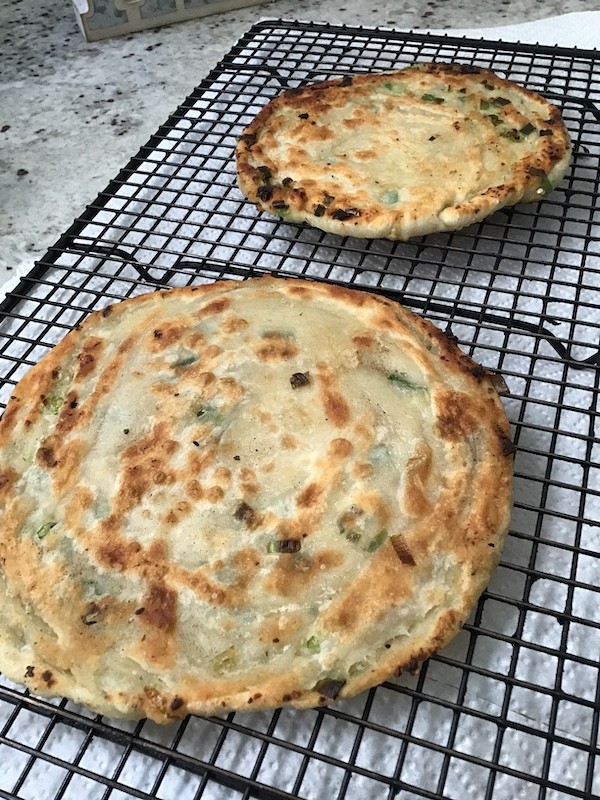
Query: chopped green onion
point(45, 529)
point(431, 98)
point(527, 129)
point(313, 645)
point(545, 186)
point(377, 541)
point(183, 362)
point(494, 119)
point(54, 402)
point(484, 105)
point(284, 546)
point(400, 380)
point(513, 134)
point(390, 197)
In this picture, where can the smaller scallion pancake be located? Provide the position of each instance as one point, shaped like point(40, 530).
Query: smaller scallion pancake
point(433, 147)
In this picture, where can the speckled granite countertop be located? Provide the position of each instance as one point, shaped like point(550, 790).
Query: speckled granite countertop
point(73, 112)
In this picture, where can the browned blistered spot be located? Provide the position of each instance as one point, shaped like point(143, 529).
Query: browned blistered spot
point(7, 478)
point(11, 411)
point(29, 671)
point(176, 703)
point(153, 699)
point(194, 489)
point(309, 496)
point(233, 323)
point(365, 155)
point(364, 340)
point(212, 351)
point(199, 460)
point(89, 355)
point(334, 404)
point(223, 475)
point(168, 334)
point(336, 408)
point(290, 575)
point(455, 421)
point(417, 473)
point(215, 307)
point(46, 457)
point(340, 448)
point(214, 494)
point(289, 442)
point(276, 348)
point(362, 470)
point(144, 464)
point(119, 555)
point(70, 414)
point(297, 290)
point(48, 678)
point(160, 607)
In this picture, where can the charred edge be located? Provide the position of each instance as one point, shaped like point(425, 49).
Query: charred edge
point(287, 698)
point(248, 139)
point(176, 703)
point(344, 214)
point(506, 443)
point(265, 173)
point(48, 678)
point(329, 688)
point(299, 379)
point(265, 192)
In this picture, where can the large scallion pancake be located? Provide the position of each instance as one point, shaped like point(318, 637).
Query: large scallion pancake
point(244, 495)
point(433, 147)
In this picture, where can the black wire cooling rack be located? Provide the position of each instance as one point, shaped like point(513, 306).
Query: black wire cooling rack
point(511, 709)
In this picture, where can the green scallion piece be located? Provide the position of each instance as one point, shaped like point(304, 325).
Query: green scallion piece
point(400, 381)
point(183, 362)
point(45, 529)
point(284, 546)
point(377, 541)
point(390, 197)
point(54, 402)
point(545, 185)
point(527, 129)
point(432, 98)
point(313, 645)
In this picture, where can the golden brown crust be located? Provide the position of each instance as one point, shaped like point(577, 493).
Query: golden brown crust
point(244, 495)
point(398, 154)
